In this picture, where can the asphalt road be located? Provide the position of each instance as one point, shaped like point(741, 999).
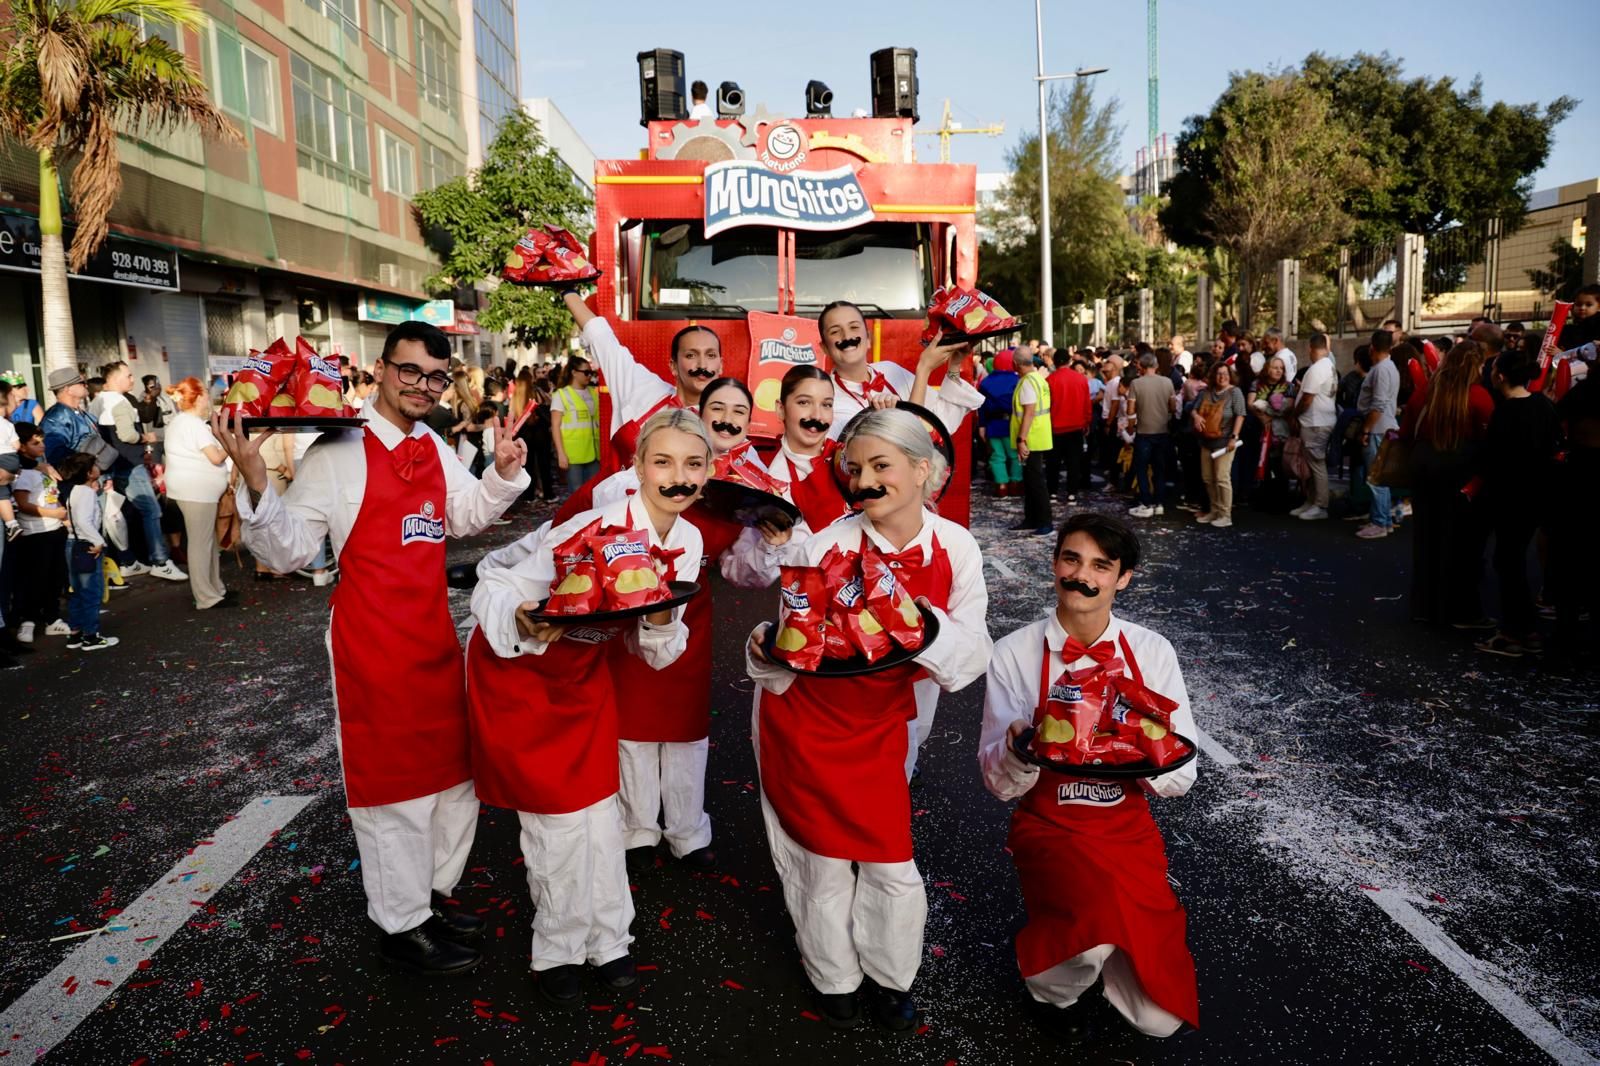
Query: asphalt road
point(1388, 856)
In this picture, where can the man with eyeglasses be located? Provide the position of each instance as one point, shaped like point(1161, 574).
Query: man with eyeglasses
point(387, 496)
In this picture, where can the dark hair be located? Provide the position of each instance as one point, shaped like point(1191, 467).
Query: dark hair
point(5, 389)
point(573, 364)
point(1592, 289)
point(1517, 367)
point(797, 374)
point(717, 383)
point(487, 411)
point(26, 431)
point(432, 338)
point(697, 90)
point(149, 379)
point(74, 469)
point(823, 314)
point(107, 369)
point(1363, 356)
point(1382, 341)
point(1319, 340)
point(493, 385)
point(685, 331)
point(1112, 535)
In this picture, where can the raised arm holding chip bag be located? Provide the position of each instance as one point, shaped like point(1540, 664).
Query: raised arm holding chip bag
point(544, 705)
point(388, 495)
point(1089, 856)
point(833, 750)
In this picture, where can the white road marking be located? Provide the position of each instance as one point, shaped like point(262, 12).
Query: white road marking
point(1005, 571)
point(1480, 978)
point(47, 1013)
point(1217, 752)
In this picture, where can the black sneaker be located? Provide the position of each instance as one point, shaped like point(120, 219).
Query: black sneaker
point(96, 643)
point(429, 951)
point(561, 986)
point(839, 1009)
point(455, 923)
point(619, 975)
point(1070, 1025)
point(894, 1010)
point(640, 860)
point(699, 858)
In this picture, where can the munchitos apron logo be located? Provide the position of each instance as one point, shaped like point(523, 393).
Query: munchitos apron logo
point(739, 192)
point(423, 527)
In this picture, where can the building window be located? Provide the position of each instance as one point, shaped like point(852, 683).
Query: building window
point(436, 67)
point(167, 31)
point(386, 24)
point(344, 12)
point(330, 127)
point(438, 166)
point(399, 165)
point(244, 79)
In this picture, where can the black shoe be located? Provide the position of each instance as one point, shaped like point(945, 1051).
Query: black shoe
point(640, 860)
point(561, 986)
point(1071, 1025)
point(264, 575)
point(11, 645)
point(839, 1009)
point(619, 974)
point(455, 923)
point(1044, 531)
point(700, 858)
point(428, 950)
point(1021, 527)
point(895, 1011)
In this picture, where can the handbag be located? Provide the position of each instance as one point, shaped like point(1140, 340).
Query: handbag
point(1391, 467)
point(113, 524)
point(228, 526)
point(83, 561)
point(1296, 463)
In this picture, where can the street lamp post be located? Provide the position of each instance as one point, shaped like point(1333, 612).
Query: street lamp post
point(1046, 296)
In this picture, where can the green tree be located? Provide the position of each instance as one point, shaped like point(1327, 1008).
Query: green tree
point(1091, 240)
point(1563, 277)
point(75, 73)
point(473, 222)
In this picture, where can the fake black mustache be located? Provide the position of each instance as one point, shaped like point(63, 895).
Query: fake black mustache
point(1078, 586)
point(727, 427)
point(703, 375)
point(674, 491)
point(848, 343)
point(876, 493)
point(815, 425)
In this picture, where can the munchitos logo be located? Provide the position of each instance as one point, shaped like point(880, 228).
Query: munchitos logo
point(739, 192)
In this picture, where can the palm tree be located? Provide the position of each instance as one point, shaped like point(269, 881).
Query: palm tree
point(74, 71)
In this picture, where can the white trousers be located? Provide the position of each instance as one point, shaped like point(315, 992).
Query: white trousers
point(849, 923)
point(411, 849)
point(927, 691)
point(664, 779)
point(578, 879)
point(1063, 983)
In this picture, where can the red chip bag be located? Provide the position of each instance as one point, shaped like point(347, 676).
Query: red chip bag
point(1076, 702)
point(1108, 747)
point(965, 314)
point(1144, 718)
point(802, 613)
point(849, 616)
point(548, 255)
point(257, 385)
point(742, 466)
point(576, 589)
point(891, 604)
point(837, 568)
point(626, 570)
point(318, 387)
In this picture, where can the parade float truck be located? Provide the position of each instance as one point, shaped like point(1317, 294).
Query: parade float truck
point(750, 225)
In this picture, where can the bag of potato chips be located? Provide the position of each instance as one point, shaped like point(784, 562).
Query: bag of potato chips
point(852, 627)
point(802, 611)
point(742, 466)
point(1072, 711)
point(318, 387)
point(259, 382)
point(626, 570)
point(577, 586)
point(1144, 718)
point(891, 604)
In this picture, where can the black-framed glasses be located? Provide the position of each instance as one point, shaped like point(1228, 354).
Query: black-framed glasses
point(412, 374)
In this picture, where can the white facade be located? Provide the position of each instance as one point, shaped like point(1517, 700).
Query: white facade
point(568, 145)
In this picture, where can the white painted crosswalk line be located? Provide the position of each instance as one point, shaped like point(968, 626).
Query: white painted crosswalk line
point(47, 1013)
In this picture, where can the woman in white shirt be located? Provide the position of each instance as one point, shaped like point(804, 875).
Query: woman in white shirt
point(196, 480)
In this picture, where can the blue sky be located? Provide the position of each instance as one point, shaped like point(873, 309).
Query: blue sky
point(981, 55)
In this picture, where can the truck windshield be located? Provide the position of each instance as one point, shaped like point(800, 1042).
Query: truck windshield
point(882, 264)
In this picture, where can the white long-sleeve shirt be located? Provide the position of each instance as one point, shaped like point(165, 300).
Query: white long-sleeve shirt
point(530, 571)
point(751, 563)
point(83, 505)
point(285, 533)
point(633, 387)
point(960, 653)
point(950, 401)
point(1013, 694)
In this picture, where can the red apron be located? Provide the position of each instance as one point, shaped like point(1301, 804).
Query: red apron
point(673, 705)
point(402, 710)
point(544, 727)
point(1096, 873)
point(624, 442)
point(833, 750)
point(818, 495)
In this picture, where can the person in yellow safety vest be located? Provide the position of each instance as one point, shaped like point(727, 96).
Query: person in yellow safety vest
point(1031, 435)
point(575, 423)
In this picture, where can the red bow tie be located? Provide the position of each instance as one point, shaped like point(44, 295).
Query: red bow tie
point(912, 556)
point(1072, 651)
point(408, 456)
point(666, 560)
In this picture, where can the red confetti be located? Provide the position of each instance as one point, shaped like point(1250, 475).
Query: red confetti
point(735, 985)
point(443, 1040)
point(659, 1051)
point(1369, 888)
point(1437, 898)
point(300, 962)
point(703, 916)
point(509, 1017)
point(1417, 966)
point(810, 1017)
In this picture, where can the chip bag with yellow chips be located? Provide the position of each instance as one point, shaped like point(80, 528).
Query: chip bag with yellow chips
point(889, 600)
point(317, 384)
point(853, 629)
point(259, 382)
point(802, 614)
point(576, 589)
point(626, 570)
point(548, 255)
point(958, 314)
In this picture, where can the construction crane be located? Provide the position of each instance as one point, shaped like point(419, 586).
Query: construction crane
point(948, 129)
